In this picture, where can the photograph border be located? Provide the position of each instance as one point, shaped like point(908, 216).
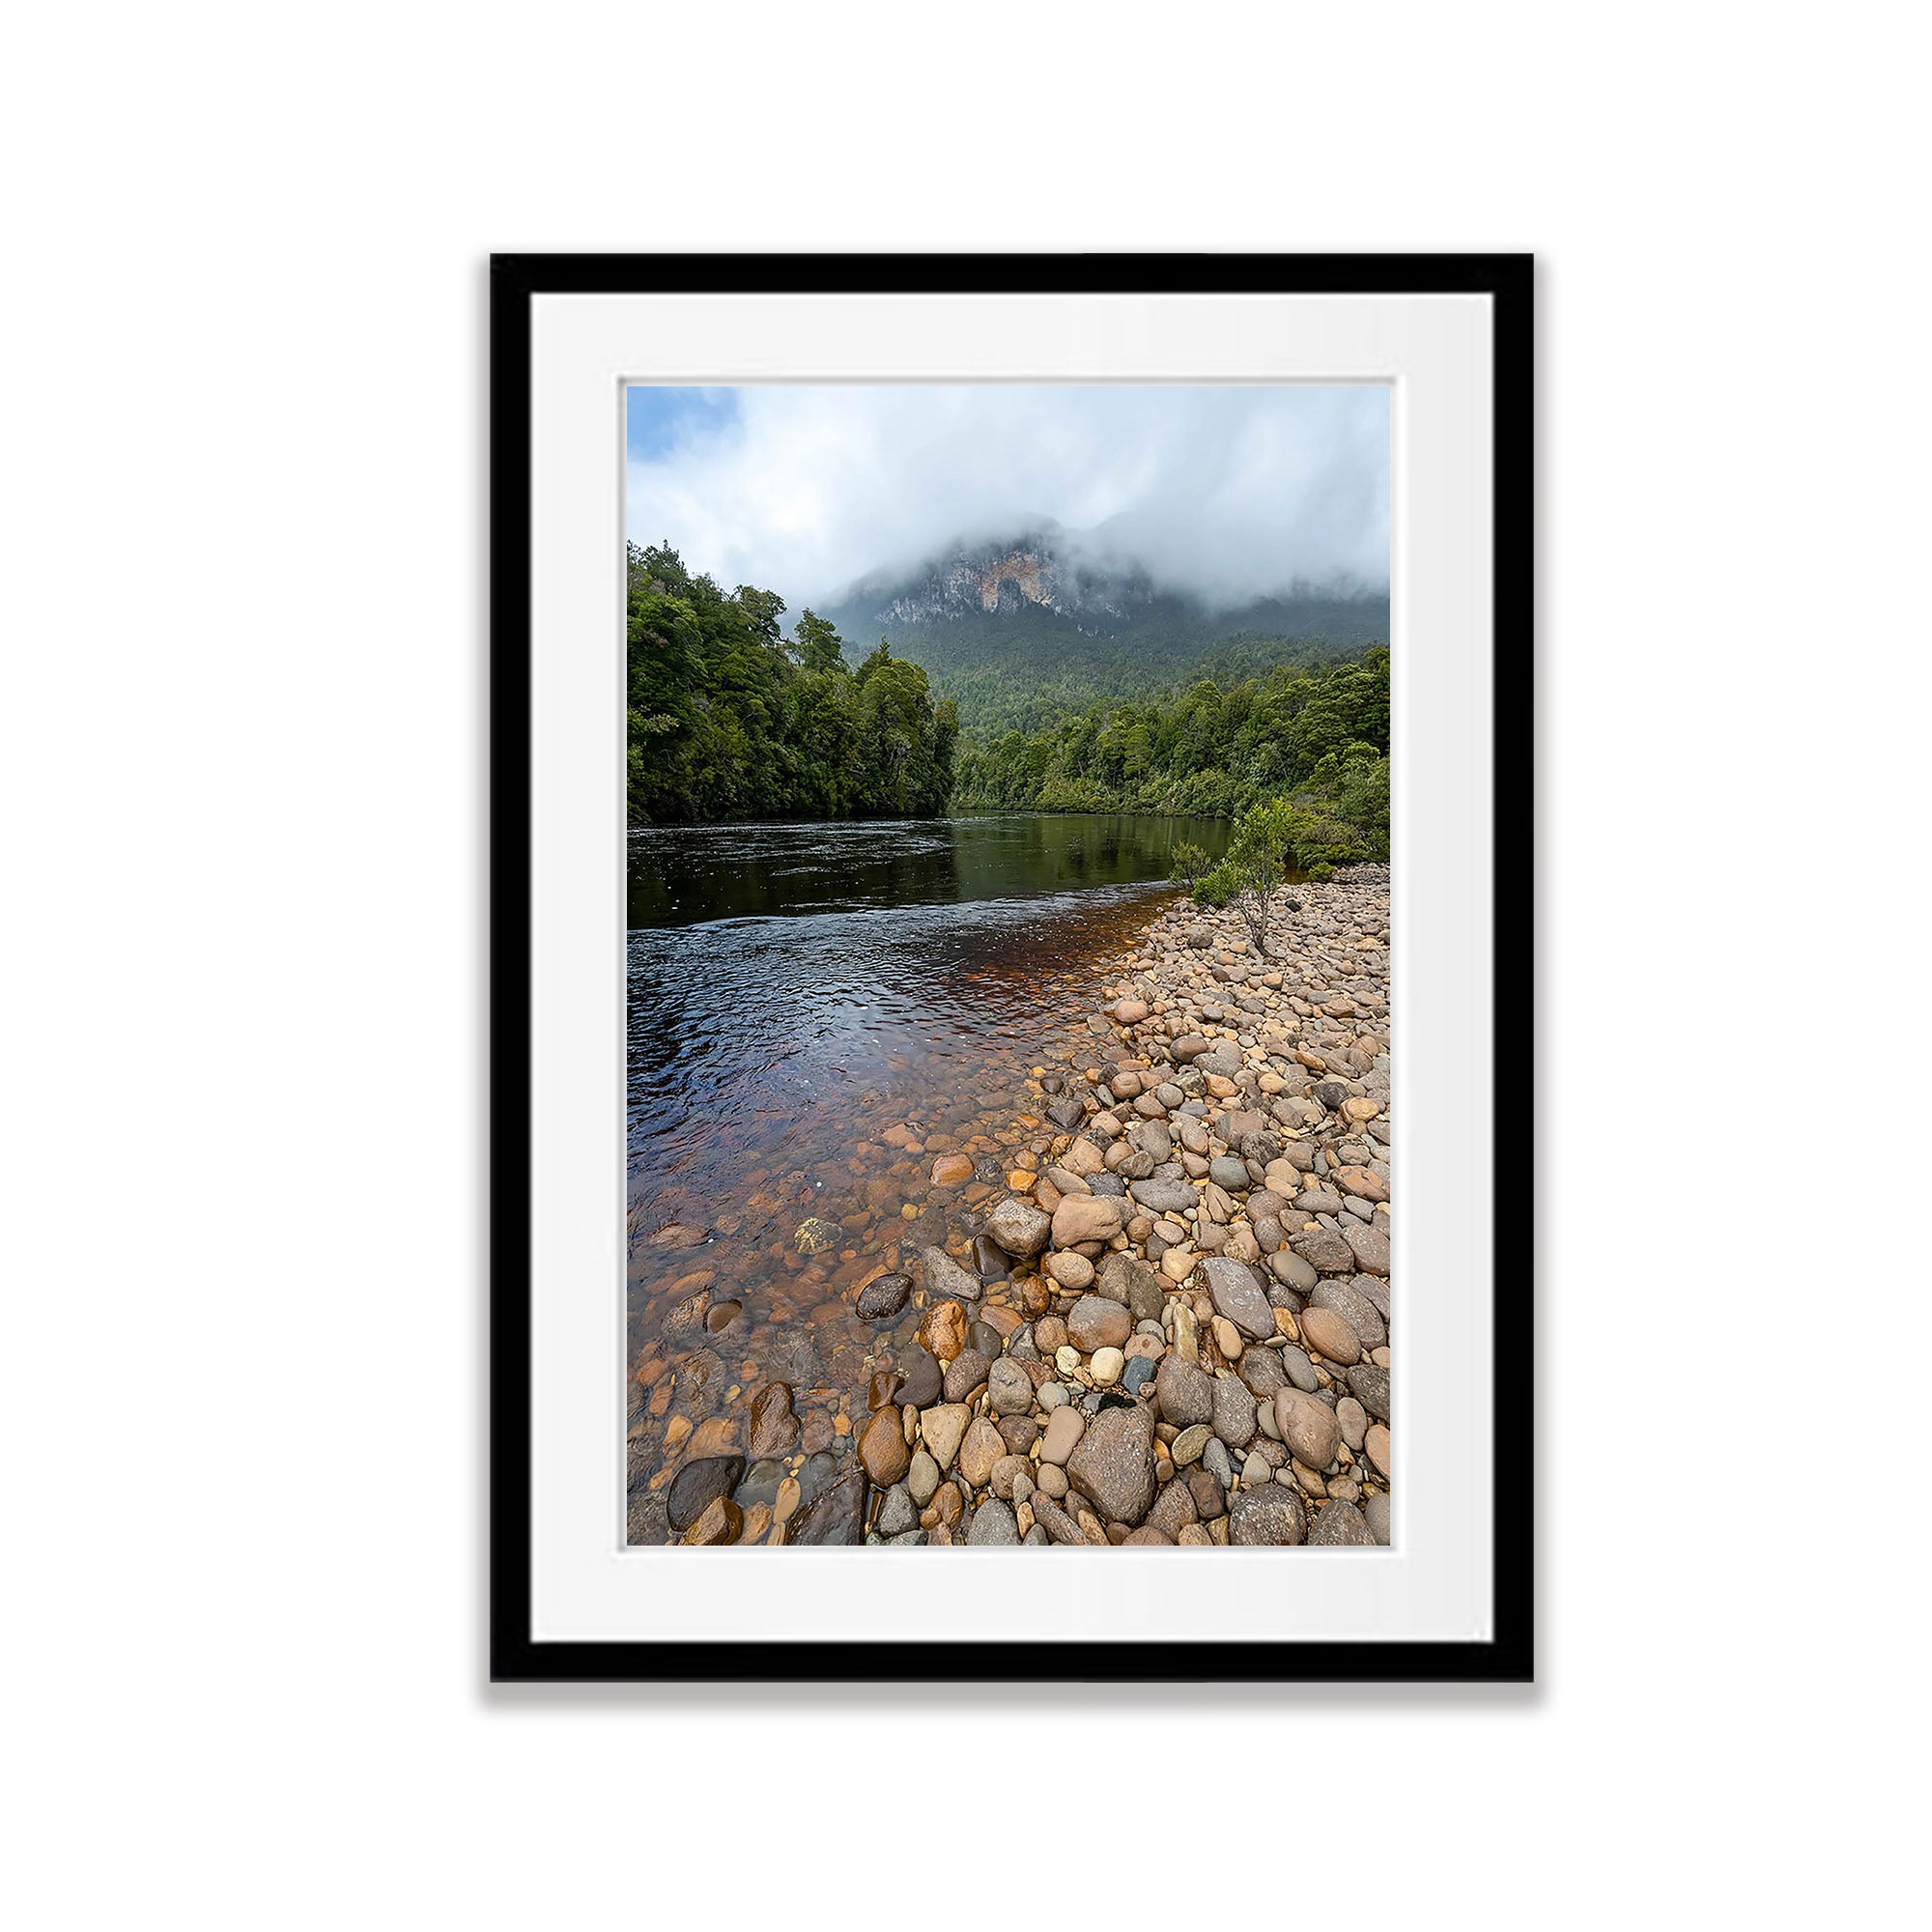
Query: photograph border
point(1506, 1656)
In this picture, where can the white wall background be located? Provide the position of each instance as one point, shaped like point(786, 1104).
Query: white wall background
point(243, 446)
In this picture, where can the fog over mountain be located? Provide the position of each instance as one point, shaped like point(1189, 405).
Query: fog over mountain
point(1225, 495)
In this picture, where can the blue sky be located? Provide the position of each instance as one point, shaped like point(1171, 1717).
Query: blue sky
point(1232, 490)
point(656, 421)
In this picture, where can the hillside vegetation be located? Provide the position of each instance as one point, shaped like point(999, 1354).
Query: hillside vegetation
point(1317, 740)
point(1020, 664)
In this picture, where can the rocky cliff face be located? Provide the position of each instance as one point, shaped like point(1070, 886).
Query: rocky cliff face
point(1003, 578)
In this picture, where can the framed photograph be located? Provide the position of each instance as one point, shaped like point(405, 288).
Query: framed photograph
point(1011, 1070)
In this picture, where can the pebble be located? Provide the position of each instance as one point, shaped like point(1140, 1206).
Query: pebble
point(1233, 1413)
point(941, 1430)
point(884, 1295)
point(923, 1377)
point(1330, 1335)
point(1113, 1463)
point(1020, 1228)
point(1183, 1392)
point(993, 1523)
point(1095, 1322)
point(897, 1512)
point(980, 1449)
point(1299, 1370)
point(883, 1452)
point(1375, 1514)
point(1008, 1388)
point(966, 1373)
point(1352, 1419)
point(1308, 1427)
point(1069, 1270)
point(698, 1484)
point(1064, 1428)
point(720, 1522)
point(1355, 1308)
point(1267, 1514)
point(946, 1278)
point(1370, 1387)
point(1237, 1295)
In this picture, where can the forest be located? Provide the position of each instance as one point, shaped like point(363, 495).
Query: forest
point(729, 719)
point(1316, 738)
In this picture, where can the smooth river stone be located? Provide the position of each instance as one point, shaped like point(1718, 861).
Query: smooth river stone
point(1086, 1217)
point(946, 1278)
point(940, 1429)
point(1341, 1522)
point(1329, 1334)
point(1113, 1463)
point(1184, 1392)
point(1238, 1295)
point(1019, 1227)
point(696, 1484)
point(883, 1452)
point(1097, 1323)
point(1308, 1427)
point(1355, 1308)
point(923, 1377)
point(881, 1299)
point(1271, 1514)
point(1064, 1428)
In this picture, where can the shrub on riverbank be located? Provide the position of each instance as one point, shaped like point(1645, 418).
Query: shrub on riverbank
point(1299, 831)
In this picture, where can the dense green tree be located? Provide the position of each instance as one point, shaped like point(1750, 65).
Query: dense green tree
point(1315, 740)
point(728, 720)
point(819, 647)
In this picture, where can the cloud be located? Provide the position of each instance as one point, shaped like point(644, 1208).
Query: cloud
point(1228, 491)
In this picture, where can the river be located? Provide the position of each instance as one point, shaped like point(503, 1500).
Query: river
point(816, 1013)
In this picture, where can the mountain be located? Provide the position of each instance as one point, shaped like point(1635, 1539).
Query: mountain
point(1024, 627)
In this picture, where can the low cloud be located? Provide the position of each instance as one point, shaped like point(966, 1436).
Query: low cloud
point(1228, 491)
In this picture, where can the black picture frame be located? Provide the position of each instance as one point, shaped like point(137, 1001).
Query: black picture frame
point(516, 280)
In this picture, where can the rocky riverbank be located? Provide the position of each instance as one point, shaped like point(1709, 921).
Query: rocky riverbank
point(1153, 1309)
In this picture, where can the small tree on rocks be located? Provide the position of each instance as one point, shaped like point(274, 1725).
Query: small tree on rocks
point(1189, 863)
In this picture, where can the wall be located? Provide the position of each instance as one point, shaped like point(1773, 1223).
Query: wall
point(242, 770)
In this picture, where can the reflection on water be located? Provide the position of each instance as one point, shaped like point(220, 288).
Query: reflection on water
point(683, 876)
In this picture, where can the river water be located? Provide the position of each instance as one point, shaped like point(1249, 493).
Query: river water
point(815, 1013)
